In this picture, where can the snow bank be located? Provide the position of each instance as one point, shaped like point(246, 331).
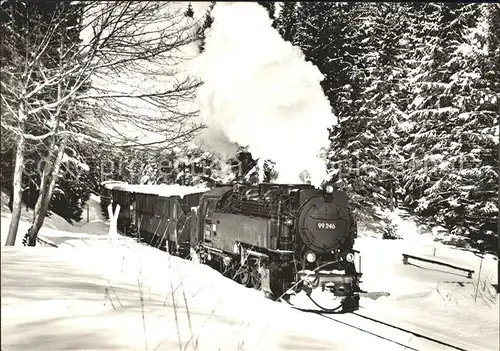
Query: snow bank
point(158, 189)
point(56, 229)
point(130, 296)
point(429, 298)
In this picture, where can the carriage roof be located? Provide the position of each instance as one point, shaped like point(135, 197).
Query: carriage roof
point(163, 190)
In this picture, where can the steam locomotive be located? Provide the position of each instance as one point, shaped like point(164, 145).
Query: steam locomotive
point(278, 238)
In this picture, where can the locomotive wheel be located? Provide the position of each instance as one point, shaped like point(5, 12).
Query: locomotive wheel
point(229, 271)
point(255, 277)
point(243, 276)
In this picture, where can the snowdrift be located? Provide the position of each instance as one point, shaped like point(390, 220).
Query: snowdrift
point(56, 229)
point(126, 296)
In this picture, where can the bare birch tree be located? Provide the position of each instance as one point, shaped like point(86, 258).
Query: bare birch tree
point(44, 71)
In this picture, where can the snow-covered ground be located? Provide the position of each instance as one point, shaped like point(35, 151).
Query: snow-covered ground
point(93, 293)
point(56, 228)
point(430, 298)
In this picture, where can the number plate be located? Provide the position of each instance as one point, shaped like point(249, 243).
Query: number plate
point(325, 225)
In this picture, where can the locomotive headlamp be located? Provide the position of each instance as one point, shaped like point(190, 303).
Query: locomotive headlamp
point(349, 257)
point(329, 188)
point(311, 257)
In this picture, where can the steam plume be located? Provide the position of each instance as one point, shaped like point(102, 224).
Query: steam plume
point(260, 92)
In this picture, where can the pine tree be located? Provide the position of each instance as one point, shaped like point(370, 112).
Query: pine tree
point(244, 166)
point(454, 111)
point(70, 196)
point(286, 22)
point(189, 11)
point(270, 172)
point(271, 9)
point(195, 167)
point(325, 35)
point(207, 24)
point(366, 143)
point(192, 166)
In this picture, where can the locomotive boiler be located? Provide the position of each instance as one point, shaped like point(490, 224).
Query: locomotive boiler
point(279, 238)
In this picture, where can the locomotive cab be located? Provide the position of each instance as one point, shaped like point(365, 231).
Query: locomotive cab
point(203, 230)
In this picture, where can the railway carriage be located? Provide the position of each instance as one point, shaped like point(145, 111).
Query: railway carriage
point(159, 219)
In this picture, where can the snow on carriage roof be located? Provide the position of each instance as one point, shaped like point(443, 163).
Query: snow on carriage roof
point(157, 189)
point(106, 183)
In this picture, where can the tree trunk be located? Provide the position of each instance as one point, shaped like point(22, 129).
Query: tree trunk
point(11, 197)
point(45, 196)
point(44, 179)
point(49, 172)
point(17, 186)
point(47, 167)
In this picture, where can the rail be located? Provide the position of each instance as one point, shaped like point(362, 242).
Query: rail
point(389, 338)
point(407, 256)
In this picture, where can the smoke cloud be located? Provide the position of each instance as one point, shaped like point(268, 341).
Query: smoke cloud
point(260, 92)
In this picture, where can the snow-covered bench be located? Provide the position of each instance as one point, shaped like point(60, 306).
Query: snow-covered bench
point(407, 256)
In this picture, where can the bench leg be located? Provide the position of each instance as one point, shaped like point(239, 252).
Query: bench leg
point(469, 275)
point(405, 260)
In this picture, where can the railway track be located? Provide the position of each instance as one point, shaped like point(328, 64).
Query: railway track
point(391, 333)
point(399, 335)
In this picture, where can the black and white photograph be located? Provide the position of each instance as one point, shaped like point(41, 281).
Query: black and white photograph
point(274, 175)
